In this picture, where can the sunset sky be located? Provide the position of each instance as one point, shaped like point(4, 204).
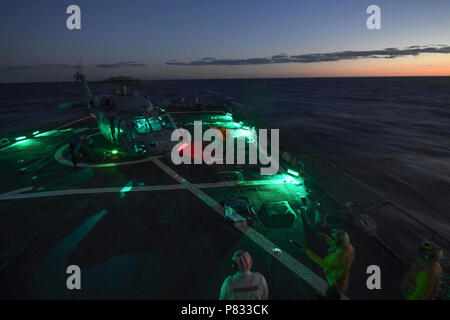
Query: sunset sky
point(239, 39)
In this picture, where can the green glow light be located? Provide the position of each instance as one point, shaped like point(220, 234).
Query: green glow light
point(290, 179)
point(17, 143)
point(227, 125)
point(21, 138)
point(44, 134)
point(292, 172)
point(227, 117)
point(243, 133)
point(126, 188)
point(35, 133)
point(114, 151)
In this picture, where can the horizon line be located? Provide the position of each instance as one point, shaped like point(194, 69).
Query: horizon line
point(251, 78)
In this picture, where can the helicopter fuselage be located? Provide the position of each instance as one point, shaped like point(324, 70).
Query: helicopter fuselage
point(131, 123)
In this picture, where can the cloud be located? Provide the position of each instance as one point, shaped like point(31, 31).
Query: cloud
point(16, 68)
point(38, 67)
point(123, 64)
point(387, 53)
point(59, 66)
point(63, 66)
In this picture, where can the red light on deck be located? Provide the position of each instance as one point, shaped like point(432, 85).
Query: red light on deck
point(184, 145)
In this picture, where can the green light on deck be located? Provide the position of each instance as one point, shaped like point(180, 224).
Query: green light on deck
point(227, 117)
point(21, 138)
point(36, 132)
point(127, 187)
point(114, 152)
point(44, 134)
point(292, 172)
point(227, 125)
point(243, 133)
point(22, 142)
point(292, 180)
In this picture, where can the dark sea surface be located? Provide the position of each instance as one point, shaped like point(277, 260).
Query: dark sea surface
point(391, 133)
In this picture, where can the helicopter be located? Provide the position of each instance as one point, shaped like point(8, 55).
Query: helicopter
point(129, 120)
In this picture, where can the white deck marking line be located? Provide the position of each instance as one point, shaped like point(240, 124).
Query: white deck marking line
point(287, 260)
point(13, 195)
point(16, 192)
point(89, 191)
point(198, 112)
point(68, 124)
point(240, 183)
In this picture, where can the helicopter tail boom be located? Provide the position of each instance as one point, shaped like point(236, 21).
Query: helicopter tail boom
point(79, 76)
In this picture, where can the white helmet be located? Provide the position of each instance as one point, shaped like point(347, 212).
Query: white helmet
point(242, 260)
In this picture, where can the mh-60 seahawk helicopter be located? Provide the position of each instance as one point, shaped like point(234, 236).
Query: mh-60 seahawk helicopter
point(129, 120)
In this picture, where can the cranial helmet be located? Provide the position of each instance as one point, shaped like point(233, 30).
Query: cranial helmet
point(286, 156)
point(242, 260)
point(430, 251)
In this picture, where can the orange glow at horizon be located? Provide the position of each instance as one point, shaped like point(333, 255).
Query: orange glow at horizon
point(423, 65)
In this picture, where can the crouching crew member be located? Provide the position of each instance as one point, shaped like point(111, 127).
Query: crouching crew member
point(78, 147)
point(336, 265)
point(244, 284)
point(422, 280)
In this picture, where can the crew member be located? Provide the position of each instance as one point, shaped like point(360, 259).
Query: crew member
point(422, 280)
point(77, 147)
point(244, 284)
point(336, 265)
point(112, 127)
point(291, 162)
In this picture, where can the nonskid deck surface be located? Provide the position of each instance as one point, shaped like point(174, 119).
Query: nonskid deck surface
point(151, 229)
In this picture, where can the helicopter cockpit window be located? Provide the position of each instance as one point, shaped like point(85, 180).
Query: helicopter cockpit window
point(151, 124)
point(142, 126)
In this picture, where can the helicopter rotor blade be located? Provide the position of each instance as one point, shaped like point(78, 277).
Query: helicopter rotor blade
point(72, 105)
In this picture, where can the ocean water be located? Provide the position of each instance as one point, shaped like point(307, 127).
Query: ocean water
point(391, 133)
